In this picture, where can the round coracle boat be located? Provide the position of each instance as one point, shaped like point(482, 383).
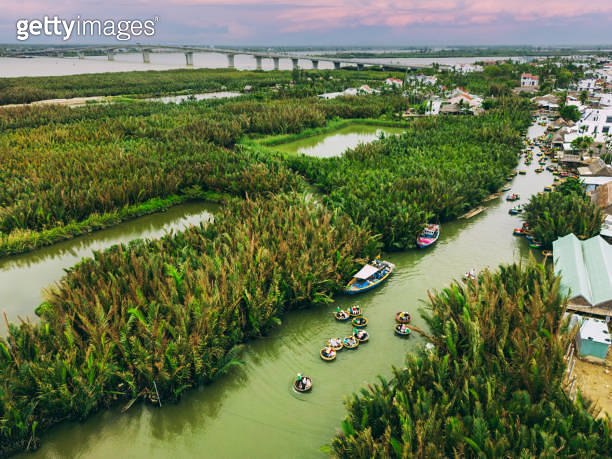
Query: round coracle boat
point(403, 317)
point(402, 330)
point(327, 353)
point(342, 316)
point(360, 322)
point(350, 342)
point(335, 344)
point(302, 384)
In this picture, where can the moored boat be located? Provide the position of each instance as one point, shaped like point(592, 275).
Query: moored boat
point(402, 330)
point(547, 253)
point(370, 276)
point(360, 322)
point(429, 236)
point(403, 317)
point(515, 211)
point(513, 197)
point(354, 311)
point(523, 171)
point(535, 244)
point(548, 188)
point(518, 232)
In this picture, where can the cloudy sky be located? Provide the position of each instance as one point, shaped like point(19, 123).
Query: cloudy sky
point(339, 22)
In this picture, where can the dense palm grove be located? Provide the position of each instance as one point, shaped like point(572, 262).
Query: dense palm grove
point(566, 210)
point(66, 169)
point(435, 171)
point(492, 386)
point(180, 81)
point(154, 319)
point(166, 315)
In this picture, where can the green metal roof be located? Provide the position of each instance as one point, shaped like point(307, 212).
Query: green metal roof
point(585, 267)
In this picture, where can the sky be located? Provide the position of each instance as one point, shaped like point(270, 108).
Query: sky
point(335, 22)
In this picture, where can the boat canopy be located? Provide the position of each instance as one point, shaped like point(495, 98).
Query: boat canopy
point(365, 272)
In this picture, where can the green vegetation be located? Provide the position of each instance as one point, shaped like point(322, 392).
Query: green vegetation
point(566, 210)
point(166, 315)
point(63, 167)
point(437, 170)
point(493, 386)
point(570, 112)
point(182, 81)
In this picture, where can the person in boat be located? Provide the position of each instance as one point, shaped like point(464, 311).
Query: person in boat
point(359, 320)
point(473, 272)
point(328, 351)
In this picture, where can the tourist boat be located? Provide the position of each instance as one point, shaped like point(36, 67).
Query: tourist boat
point(539, 170)
point(362, 336)
point(429, 236)
point(523, 172)
point(360, 322)
point(548, 188)
point(335, 344)
point(302, 383)
point(327, 353)
point(506, 188)
point(350, 342)
point(469, 276)
point(354, 311)
point(342, 315)
point(535, 244)
point(518, 232)
point(513, 197)
point(402, 330)
point(403, 317)
point(515, 211)
point(547, 253)
point(368, 277)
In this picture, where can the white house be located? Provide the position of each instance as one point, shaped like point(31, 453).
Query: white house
point(424, 79)
point(596, 123)
point(529, 81)
point(588, 84)
point(394, 82)
point(459, 95)
point(467, 68)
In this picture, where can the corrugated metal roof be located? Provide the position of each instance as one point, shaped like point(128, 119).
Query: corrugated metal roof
point(585, 267)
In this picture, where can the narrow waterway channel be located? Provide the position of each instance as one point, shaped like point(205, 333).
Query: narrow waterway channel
point(338, 141)
point(252, 412)
point(23, 277)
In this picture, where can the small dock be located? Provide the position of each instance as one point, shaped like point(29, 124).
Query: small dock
point(472, 213)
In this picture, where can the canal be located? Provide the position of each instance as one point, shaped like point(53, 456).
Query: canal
point(23, 277)
point(252, 412)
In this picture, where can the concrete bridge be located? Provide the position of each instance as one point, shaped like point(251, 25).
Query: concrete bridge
point(189, 51)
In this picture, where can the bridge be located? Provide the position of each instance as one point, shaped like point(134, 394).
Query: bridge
point(189, 51)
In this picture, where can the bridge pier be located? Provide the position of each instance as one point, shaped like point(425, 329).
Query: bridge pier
point(315, 64)
point(296, 65)
point(110, 55)
point(230, 61)
point(146, 56)
point(276, 63)
point(189, 58)
point(258, 63)
point(337, 65)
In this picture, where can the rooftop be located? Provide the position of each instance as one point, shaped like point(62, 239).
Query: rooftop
point(595, 330)
point(585, 268)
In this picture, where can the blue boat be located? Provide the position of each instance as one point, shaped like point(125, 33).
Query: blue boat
point(370, 276)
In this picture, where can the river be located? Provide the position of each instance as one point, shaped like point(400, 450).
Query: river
point(55, 66)
point(23, 277)
point(252, 412)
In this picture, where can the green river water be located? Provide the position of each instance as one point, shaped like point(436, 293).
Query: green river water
point(252, 411)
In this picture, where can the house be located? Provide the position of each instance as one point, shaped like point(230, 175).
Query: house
point(459, 95)
point(596, 168)
point(424, 79)
point(588, 84)
point(585, 268)
point(547, 102)
point(394, 82)
point(602, 197)
point(467, 68)
point(595, 123)
point(592, 183)
point(593, 339)
point(450, 109)
point(529, 81)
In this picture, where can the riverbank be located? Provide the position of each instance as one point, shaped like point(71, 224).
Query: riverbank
point(22, 241)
